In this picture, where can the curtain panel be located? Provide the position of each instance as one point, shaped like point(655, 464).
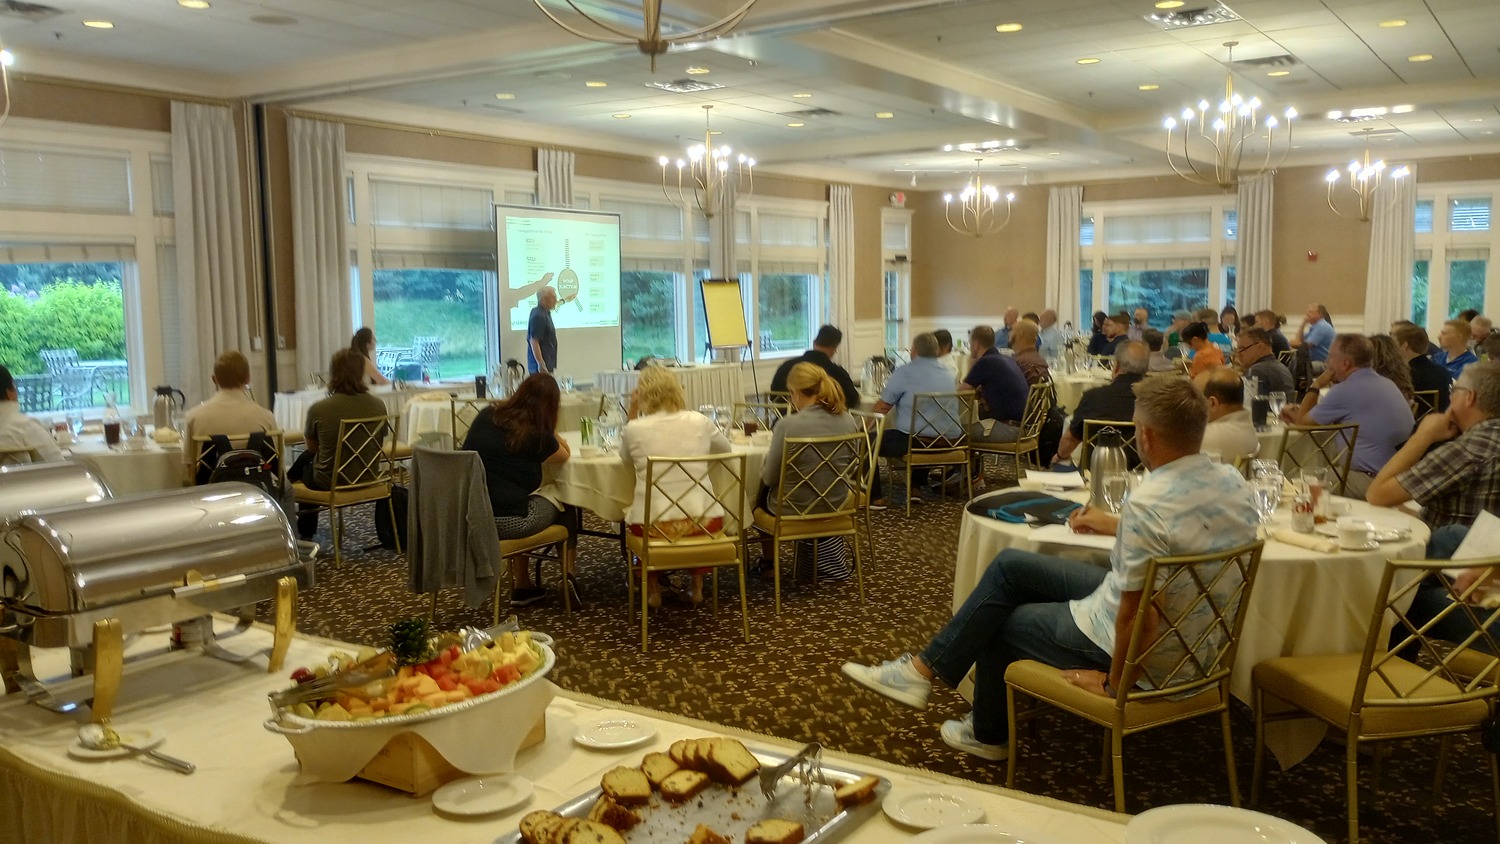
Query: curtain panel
point(1393, 246)
point(217, 308)
point(320, 249)
point(721, 245)
point(1064, 210)
point(1252, 275)
point(554, 178)
point(841, 262)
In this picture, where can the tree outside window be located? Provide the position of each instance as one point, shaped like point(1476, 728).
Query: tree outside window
point(787, 310)
point(1419, 294)
point(1466, 285)
point(648, 313)
point(414, 307)
point(75, 312)
point(1160, 292)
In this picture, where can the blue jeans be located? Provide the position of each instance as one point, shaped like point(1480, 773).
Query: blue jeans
point(1018, 611)
point(1432, 598)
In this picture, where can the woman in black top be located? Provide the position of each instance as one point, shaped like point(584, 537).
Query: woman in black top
point(1097, 341)
point(514, 438)
point(363, 344)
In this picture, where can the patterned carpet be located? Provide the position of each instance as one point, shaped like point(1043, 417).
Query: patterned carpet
point(786, 682)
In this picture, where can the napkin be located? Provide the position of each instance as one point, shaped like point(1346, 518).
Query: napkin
point(1304, 540)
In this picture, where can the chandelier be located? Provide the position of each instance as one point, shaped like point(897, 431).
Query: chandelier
point(705, 173)
point(651, 41)
point(1365, 180)
point(977, 214)
point(1230, 143)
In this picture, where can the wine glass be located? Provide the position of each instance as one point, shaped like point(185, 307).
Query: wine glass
point(1267, 490)
point(1275, 402)
point(1116, 487)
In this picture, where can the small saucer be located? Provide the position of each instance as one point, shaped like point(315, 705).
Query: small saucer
point(1368, 546)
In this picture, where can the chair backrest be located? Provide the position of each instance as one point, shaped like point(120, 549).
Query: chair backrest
point(427, 350)
point(873, 424)
point(821, 476)
point(318, 378)
point(780, 398)
point(1322, 447)
point(1424, 402)
point(1447, 672)
point(1038, 405)
point(359, 456)
point(941, 421)
point(19, 456)
point(35, 392)
point(1287, 358)
point(1093, 429)
point(464, 412)
point(766, 414)
point(270, 445)
point(694, 500)
point(1186, 632)
point(56, 360)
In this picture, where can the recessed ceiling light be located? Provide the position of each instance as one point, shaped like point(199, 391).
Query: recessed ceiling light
point(801, 95)
point(621, 116)
point(99, 24)
point(1471, 120)
point(193, 4)
point(505, 96)
point(715, 132)
point(1420, 57)
point(1279, 73)
point(1088, 61)
point(1008, 27)
point(885, 115)
point(1392, 24)
point(795, 125)
point(596, 84)
point(1054, 153)
point(1147, 87)
point(1169, 4)
point(7, 58)
point(697, 70)
point(1403, 109)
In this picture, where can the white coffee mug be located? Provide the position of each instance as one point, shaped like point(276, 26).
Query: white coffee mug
point(1355, 532)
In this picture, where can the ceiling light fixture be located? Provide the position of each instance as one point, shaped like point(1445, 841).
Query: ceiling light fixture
point(193, 4)
point(697, 70)
point(1420, 57)
point(7, 58)
point(1279, 73)
point(885, 115)
point(505, 96)
point(706, 173)
point(621, 116)
point(595, 84)
point(977, 215)
point(650, 39)
point(1366, 178)
point(795, 125)
point(1008, 27)
point(99, 24)
point(1224, 147)
point(1192, 17)
point(1170, 4)
point(1392, 24)
point(1088, 61)
point(1148, 87)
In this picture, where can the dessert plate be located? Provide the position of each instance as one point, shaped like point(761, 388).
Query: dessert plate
point(482, 795)
point(138, 736)
point(930, 809)
point(614, 732)
point(1194, 824)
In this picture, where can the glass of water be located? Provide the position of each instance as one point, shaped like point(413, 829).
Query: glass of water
point(1116, 487)
point(1267, 490)
point(567, 383)
point(1275, 402)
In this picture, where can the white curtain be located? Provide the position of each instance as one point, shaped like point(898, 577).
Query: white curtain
point(1064, 210)
point(721, 251)
point(1252, 261)
point(1392, 250)
point(320, 250)
point(554, 178)
point(217, 308)
point(841, 261)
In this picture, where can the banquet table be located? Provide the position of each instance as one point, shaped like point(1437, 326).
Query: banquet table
point(436, 416)
point(1304, 601)
point(126, 472)
point(290, 409)
point(712, 384)
point(247, 789)
point(1071, 386)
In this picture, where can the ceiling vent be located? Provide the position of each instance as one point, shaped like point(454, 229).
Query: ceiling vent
point(685, 86)
point(1191, 17)
point(34, 12)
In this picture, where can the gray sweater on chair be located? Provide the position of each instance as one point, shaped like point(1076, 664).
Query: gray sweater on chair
point(450, 531)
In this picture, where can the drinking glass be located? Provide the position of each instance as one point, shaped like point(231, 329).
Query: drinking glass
point(567, 384)
point(750, 422)
point(1276, 401)
point(75, 422)
point(723, 416)
point(1267, 490)
point(1116, 487)
point(1262, 467)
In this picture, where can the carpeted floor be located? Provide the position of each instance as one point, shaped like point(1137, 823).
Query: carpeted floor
point(786, 682)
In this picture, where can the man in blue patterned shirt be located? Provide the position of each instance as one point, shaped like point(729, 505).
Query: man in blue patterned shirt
point(1072, 614)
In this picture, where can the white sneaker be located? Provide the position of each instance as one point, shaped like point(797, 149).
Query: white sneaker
point(959, 735)
point(897, 679)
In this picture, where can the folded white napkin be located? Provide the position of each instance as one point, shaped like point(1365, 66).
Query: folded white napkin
point(1309, 541)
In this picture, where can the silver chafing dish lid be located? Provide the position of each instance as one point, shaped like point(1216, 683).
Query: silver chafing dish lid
point(42, 486)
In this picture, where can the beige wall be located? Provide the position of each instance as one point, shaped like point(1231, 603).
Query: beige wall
point(869, 265)
point(953, 274)
point(93, 106)
point(1302, 223)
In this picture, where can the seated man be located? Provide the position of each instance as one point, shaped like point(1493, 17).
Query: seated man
point(1253, 351)
point(1070, 614)
point(1426, 374)
point(1159, 362)
point(1024, 340)
point(229, 411)
point(1362, 396)
point(1453, 354)
point(1230, 433)
point(1315, 335)
point(1206, 355)
point(825, 346)
point(1180, 320)
point(1113, 334)
point(1001, 384)
point(1050, 336)
point(17, 430)
point(923, 375)
point(1114, 401)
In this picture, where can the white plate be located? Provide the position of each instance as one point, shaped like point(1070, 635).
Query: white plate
point(482, 795)
point(138, 736)
point(982, 833)
point(930, 809)
point(1383, 533)
point(1197, 823)
point(615, 732)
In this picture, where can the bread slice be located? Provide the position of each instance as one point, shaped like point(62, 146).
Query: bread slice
point(657, 767)
point(683, 785)
point(592, 832)
point(697, 749)
point(774, 831)
point(678, 752)
point(628, 786)
point(537, 827)
point(730, 762)
point(564, 826)
point(612, 814)
point(704, 835)
point(857, 792)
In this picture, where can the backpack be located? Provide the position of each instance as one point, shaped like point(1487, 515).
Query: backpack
point(255, 464)
point(398, 504)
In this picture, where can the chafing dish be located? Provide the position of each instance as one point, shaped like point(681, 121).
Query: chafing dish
point(86, 575)
point(32, 487)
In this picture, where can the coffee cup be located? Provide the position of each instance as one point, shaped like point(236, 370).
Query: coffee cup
point(1355, 532)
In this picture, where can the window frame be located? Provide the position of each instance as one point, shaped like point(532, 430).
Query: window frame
point(1442, 245)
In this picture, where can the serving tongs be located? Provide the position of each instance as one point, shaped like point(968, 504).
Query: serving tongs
point(807, 763)
point(352, 679)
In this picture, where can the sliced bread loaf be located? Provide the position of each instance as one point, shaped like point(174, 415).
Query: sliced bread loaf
point(627, 786)
point(774, 831)
point(683, 785)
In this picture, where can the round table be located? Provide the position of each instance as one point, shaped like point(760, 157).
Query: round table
point(290, 409)
point(1071, 387)
point(712, 384)
point(127, 472)
point(424, 416)
point(1304, 601)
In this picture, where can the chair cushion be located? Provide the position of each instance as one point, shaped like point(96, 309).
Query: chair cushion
point(952, 455)
point(804, 528)
point(345, 496)
point(1025, 445)
point(1047, 683)
point(1324, 686)
point(398, 451)
point(550, 535)
point(664, 556)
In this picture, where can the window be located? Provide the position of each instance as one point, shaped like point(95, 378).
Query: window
point(1159, 291)
point(1162, 255)
point(1423, 219)
point(787, 297)
point(1086, 292)
point(1469, 215)
point(1454, 240)
point(62, 333)
point(433, 316)
point(649, 294)
point(1086, 232)
point(1229, 286)
point(1466, 270)
point(895, 318)
point(896, 280)
point(1186, 227)
point(1419, 294)
point(1231, 224)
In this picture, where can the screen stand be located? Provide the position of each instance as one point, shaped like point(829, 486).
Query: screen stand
point(735, 354)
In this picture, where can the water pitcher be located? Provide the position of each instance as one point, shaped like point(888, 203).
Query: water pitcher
point(168, 401)
point(1106, 460)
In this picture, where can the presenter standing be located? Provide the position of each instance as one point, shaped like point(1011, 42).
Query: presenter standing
point(541, 335)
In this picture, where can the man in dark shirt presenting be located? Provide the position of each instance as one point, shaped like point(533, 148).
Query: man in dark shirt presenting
point(541, 335)
point(1114, 401)
point(825, 346)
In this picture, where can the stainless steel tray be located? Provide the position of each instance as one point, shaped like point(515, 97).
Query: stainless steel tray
point(730, 811)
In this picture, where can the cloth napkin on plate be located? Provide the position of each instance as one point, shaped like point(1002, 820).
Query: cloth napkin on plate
point(1304, 540)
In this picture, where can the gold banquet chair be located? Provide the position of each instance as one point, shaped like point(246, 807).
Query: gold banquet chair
point(462, 413)
point(818, 497)
point(1376, 695)
point(873, 424)
point(766, 414)
point(684, 536)
point(1093, 429)
point(362, 475)
point(949, 416)
point(1198, 604)
point(1027, 444)
point(1320, 447)
point(1424, 402)
point(205, 459)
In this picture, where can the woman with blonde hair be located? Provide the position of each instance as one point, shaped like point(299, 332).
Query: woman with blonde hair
point(661, 425)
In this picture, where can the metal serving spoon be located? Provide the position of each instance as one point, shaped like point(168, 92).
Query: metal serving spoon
point(100, 737)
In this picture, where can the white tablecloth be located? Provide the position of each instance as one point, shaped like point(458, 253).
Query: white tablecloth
point(715, 384)
point(424, 417)
point(1070, 388)
point(151, 469)
point(246, 785)
point(1304, 602)
point(290, 409)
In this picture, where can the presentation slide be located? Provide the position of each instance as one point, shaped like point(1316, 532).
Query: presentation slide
point(577, 254)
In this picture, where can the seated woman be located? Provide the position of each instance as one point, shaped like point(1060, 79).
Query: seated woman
point(660, 424)
point(514, 438)
point(348, 398)
point(363, 344)
point(818, 411)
